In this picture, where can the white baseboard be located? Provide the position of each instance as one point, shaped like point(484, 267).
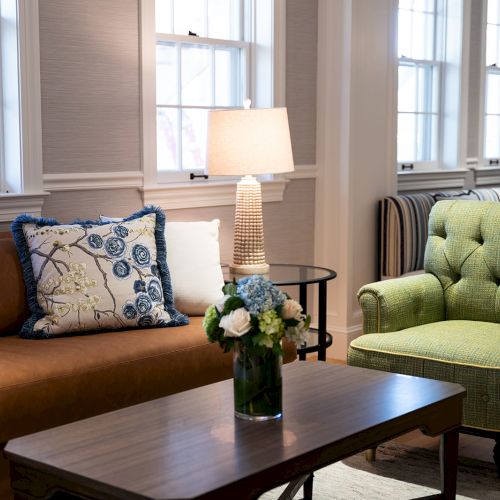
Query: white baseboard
point(342, 337)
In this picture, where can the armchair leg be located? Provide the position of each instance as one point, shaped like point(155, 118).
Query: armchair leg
point(496, 454)
point(370, 454)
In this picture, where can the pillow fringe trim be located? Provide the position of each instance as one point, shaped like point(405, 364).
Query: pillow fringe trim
point(27, 330)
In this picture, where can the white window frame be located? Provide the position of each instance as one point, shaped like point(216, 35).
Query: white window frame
point(483, 160)
point(21, 163)
point(450, 170)
point(212, 44)
point(435, 65)
point(211, 192)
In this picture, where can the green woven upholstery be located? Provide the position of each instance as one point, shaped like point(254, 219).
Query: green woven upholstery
point(401, 303)
point(444, 324)
point(463, 251)
point(466, 352)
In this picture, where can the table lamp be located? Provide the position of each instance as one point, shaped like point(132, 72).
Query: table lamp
point(249, 142)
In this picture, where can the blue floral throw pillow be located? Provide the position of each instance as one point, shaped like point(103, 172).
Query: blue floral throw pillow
point(90, 276)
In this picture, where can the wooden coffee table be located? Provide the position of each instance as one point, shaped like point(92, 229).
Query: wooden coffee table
point(189, 445)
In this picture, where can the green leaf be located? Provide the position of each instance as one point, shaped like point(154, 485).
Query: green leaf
point(231, 304)
point(307, 321)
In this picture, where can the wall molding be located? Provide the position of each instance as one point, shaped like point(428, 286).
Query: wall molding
point(303, 172)
point(432, 180)
point(486, 176)
point(92, 180)
point(14, 204)
point(214, 194)
point(173, 195)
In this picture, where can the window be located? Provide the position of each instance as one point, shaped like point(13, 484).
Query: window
point(209, 54)
point(492, 85)
point(20, 111)
point(418, 83)
point(10, 170)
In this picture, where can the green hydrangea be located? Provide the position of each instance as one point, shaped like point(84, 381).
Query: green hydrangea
point(271, 324)
point(211, 325)
point(210, 316)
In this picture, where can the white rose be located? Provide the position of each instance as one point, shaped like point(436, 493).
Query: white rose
point(219, 305)
point(236, 323)
point(298, 334)
point(291, 310)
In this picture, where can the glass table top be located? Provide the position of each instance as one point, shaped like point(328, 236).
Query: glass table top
point(287, 274)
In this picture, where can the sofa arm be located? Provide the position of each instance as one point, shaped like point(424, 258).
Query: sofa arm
point(400, 303)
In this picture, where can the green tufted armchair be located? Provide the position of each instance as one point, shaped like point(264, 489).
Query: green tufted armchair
point(444, 324)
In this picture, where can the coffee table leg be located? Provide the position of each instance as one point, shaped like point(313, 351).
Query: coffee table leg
point(448, 456)
point(308, 487)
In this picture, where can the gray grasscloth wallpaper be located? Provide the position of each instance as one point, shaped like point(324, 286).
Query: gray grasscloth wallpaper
point(91, 121)
point(89, 64)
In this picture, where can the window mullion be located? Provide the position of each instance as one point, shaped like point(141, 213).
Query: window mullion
point(212, 75)
point(178, 47)
point(205, 19)
point(417, 116)
point(172, 14)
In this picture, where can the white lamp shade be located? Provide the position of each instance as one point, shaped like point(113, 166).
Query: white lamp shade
point(249, 142)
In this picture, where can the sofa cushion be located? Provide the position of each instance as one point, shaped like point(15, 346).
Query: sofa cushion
point(434, 350)
point(13, 305)
point(64, 379)
point(95, 276)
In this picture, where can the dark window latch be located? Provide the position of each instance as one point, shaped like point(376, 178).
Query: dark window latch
point(193, 176)
point(192, 33)
point(494, 162)
point(407, 166)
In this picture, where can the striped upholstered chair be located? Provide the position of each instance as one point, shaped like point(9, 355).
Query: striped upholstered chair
point(403, 222)
point(444, 324)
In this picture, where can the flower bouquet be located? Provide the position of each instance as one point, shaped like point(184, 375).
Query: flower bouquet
point(251, 319)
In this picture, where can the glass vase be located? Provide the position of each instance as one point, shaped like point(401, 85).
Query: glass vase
point(257, 382)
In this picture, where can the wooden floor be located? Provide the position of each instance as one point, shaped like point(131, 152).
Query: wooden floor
point(469, 446)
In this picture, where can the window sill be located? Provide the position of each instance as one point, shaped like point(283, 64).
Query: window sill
point(432, 180)
point(205, 194)
point(14, 204)
point(486, 176)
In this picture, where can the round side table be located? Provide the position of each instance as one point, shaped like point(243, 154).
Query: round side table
point(303, 276)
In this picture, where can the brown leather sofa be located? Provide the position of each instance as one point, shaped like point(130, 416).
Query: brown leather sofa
point(44, 383)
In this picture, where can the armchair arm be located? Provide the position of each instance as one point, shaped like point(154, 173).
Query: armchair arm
point(399, 303)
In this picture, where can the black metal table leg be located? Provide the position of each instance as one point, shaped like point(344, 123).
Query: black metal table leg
point(303, 303)
point(322, 321)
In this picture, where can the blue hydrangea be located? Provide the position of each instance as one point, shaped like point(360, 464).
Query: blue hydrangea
point(259, 294)
point(143, 303)
point(121, 269)
point(120, 231)
point(129, 311)
point(155, 291)
point(141, 255)
point(94, 241)
point(115, 247)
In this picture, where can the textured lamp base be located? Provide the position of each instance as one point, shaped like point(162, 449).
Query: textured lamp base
point(249, 269)
point(248, 253)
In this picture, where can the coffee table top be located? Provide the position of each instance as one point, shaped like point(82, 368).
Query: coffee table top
point(190, 444)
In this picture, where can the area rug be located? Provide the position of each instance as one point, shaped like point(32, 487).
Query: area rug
point(400, 472)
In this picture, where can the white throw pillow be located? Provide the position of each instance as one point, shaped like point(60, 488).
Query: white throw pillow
point(193, 258)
